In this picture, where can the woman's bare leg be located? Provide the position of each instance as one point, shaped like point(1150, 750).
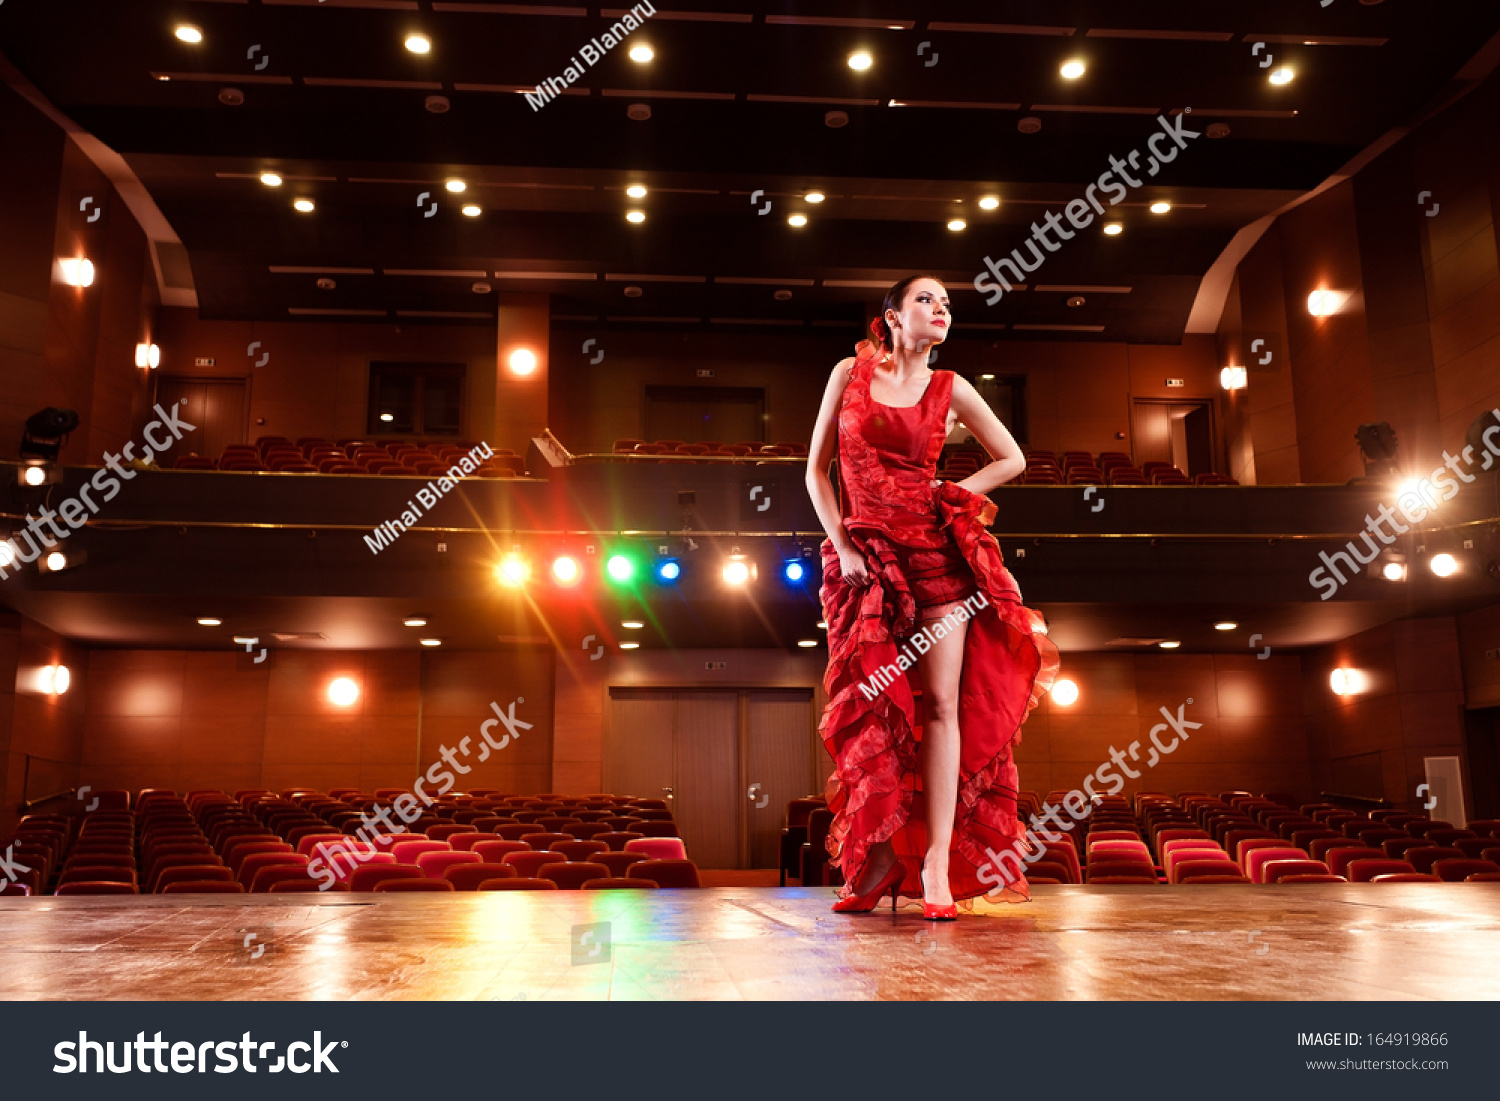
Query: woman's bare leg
point(940, 668)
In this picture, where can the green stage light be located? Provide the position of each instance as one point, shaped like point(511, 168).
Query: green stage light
point(620, 569)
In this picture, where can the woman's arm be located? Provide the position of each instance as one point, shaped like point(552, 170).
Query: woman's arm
point(976, 415)
point(820, 452)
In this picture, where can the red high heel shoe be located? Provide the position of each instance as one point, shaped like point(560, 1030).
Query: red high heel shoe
point(933, 912)
point(863, 904)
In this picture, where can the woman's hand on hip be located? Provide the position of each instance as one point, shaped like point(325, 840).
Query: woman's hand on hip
point(854, 568)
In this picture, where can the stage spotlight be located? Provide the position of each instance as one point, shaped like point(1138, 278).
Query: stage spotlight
point(1073, 69)
point(304, 206)
point(55, 680)
point(794, 571)
point(343, 692)
point(1378, 446)
point(620, 568)
point(668, 570)
point(736, 571)
point(1064, 692)
point(814, 197)
point(46, 432)
point(418, 43)
point(565, 569)
point(636, 191)
point(1393, 566)
point(1346, 682)
point(57, 561)
point(1444, 564)
point(7, 554)
point(188, 33)
point(36, 473)
point(989, 202)
point(797, 220)
point(1113, 229)
point(860, 61)
point(512, 570)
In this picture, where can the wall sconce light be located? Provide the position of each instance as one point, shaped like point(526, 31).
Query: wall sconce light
point(1232, 378)
point(1346, 682)
point(343, 692)
point(77, 271)
point(523, 361)
point(148, 355)
point(1065, 692)
point(1323, 302)
point(55, 679)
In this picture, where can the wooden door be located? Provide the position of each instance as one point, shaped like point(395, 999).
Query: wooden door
point(708, 791)
point(214, 407)
point(638, 757)
point(778, 753)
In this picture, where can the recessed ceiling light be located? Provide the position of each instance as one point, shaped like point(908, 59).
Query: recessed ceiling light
point(208, 621)
point(432, 642)
point(270, 179)
point(1114, 229)
point(186, 32)
point(814, 196)
point(415, 621)
point(418, 43)
point(989, 202)
point(636, 191)
point(471, 211)
point(807, 643)
point(986, 378)
point(456, 186)
point(306, 206)
point(245, 640)
point(387, 418)
point(641, 54)
point(957, 225)
point(1169, 644)
point(1160, 208)
point(636, 216)
point(822, 625)
point(860, 61)
point(1282, 75)
point(1073, 69)
point(630, 645)
point(631, 624)
point(797, 220)
point(1225, 625)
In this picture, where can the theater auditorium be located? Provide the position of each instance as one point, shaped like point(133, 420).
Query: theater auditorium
point(414, 581)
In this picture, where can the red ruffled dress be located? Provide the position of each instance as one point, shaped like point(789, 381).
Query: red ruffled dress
point(927, 547)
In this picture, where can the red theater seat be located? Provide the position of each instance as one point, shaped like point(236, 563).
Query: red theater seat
point(1424, 859)
point(365, 880)
point(665, 873)
point(192, 873)
point(658, 848)
point(520, 883)
point(616, 883)
point(203, 887)
point(253, 863)
point(468, 877)
point(435, 865)
point(97, 887)
point(1406, 877)
point(1363, 871)
point(401, 885)
point(571, 876)
point(1459, 870)
point(1277, 870)
point(528, 864)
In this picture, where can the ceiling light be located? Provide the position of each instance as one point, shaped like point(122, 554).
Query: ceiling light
point(565, 569)
point(1076, 300)
point(512, 570)
point(245, 640)
point(270, 179)
point(148, 355)
point(1073, 69)
point(1225, 625)
point(209, 621)
point(797, 220)
point(1064, 692)
point(821, 625)
point(1394, 569)
point(471, 211)
point(641, 54)
point(1169, 644)
point(306, 206)
point(1233, 378)
point(418, 43)
point(1282, 75)
point(432, 642)
point(78, 272)
point(1113, 229)
point(456, 186)
point(415, 621)
point(736, 572)
point(1444, 565)
point(636, 216)
point(636, 191)
point(1160, 208)
point(807, 643)
point(986, 378)
point(387, 418)
point(958, 225)
point(814, 197)
point(630, 645)
point(343, 692)
point(186, 32)
point(860, 61)
point(523, 361)
point(989, 202)
point(631, 624)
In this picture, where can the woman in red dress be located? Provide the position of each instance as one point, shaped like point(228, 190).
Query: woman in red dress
point(913, 578)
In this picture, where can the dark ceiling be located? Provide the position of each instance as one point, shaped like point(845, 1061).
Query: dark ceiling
point(738, 93)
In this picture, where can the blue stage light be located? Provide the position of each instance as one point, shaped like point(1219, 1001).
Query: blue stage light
point(794, 571)
point(668, 570)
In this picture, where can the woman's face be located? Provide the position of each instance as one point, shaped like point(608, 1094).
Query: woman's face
point(924, 317)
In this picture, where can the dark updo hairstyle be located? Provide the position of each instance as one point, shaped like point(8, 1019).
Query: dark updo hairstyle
point(895, 298)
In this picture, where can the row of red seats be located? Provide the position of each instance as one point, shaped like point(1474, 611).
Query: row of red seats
point(277, 454)
point(680, 449)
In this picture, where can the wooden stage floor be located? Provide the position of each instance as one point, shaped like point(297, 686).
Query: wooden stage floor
point(1320, 941)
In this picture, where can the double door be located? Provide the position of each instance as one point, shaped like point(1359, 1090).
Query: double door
point(725, 760)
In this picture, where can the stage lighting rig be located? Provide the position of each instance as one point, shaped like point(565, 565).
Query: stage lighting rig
point(46, 432)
